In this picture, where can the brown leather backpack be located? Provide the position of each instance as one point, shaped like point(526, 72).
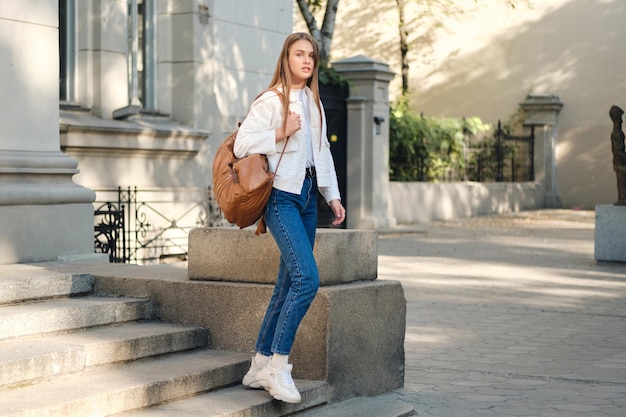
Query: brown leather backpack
point(242, 186)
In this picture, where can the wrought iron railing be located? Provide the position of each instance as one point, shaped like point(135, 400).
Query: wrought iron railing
point(150, 226)
point(110, 231)
point(506, 158)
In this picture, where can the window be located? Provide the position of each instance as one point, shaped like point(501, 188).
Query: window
point(67, 50)
point(141, 58)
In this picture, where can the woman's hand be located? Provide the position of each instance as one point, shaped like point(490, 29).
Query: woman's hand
point(339, 211)
point(293, 125)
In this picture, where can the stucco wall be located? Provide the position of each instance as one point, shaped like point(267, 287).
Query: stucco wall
point(488, 58)
point(421, 202)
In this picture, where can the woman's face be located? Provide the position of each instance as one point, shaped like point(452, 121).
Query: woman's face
point(301, 62)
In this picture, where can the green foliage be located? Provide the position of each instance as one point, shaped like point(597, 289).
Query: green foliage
point(315, 5)
point(329, 75)
point(424, 148)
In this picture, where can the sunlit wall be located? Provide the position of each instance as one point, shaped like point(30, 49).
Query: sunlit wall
point(484, 58)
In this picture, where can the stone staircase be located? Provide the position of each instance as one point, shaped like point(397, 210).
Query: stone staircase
point(65, 351)
point(95, 339)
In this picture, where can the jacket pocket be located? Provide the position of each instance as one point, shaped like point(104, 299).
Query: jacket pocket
point(289, 162)
point(292, 146)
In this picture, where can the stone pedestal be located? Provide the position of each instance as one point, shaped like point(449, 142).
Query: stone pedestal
point(368, 143)
point(610, 234)
point(542, 112)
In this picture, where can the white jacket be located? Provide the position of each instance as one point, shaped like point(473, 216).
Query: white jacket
point(257, 134)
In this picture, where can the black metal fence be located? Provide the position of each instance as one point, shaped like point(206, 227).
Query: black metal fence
point(505, 158)
point(143, 226)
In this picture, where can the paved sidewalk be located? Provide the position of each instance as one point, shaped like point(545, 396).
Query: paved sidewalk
point(510, 316)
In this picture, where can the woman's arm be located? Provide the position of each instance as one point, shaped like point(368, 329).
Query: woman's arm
point(257, 133)
point(259, 128)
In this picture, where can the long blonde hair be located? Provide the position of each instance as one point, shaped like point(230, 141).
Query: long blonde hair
point(282, 74)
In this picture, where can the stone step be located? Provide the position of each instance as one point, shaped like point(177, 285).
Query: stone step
point(238, 401)
point(26, 282)
point(106, 391)
point(34, 358)
point(385, 405)
point(66, 314)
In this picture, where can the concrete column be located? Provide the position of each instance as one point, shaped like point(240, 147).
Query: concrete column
point(542, 111)
point(368, 198)
point(43, 214)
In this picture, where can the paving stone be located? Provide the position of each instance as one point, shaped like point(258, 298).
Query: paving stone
point(512, 312)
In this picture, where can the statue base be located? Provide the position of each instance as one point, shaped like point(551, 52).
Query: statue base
point(610, 234)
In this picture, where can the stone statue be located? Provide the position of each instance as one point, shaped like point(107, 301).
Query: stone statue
point(619, 153)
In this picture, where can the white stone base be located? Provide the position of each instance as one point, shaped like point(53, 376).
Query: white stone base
point(38, 233)
point(610, 235)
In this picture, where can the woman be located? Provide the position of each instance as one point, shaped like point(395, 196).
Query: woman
point(290, 111)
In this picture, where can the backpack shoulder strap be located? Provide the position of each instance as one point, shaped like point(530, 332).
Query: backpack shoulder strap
point(278, 93)
point(286, 139)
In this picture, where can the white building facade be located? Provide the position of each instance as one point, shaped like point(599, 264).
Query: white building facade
point(101, 94)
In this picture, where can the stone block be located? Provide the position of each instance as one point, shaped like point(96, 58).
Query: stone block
point(228, 254)
point(359, 329)
point(610, 233)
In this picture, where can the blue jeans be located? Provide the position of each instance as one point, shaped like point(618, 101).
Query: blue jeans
point(292, 220)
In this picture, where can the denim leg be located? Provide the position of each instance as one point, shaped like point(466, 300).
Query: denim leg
point(292, 221)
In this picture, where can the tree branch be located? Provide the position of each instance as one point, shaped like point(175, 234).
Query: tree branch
point(311, 23)
point(328, 27)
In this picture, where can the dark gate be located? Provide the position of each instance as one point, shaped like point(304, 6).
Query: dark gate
point(334, 99)
point(521, 163)
point(506, 158)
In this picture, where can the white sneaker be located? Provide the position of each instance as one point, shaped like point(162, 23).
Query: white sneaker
point(279, 383)
point(250, 380)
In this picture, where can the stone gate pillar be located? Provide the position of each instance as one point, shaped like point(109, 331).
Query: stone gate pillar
point(542, 111)
point(43, 214)
point(368, 199)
